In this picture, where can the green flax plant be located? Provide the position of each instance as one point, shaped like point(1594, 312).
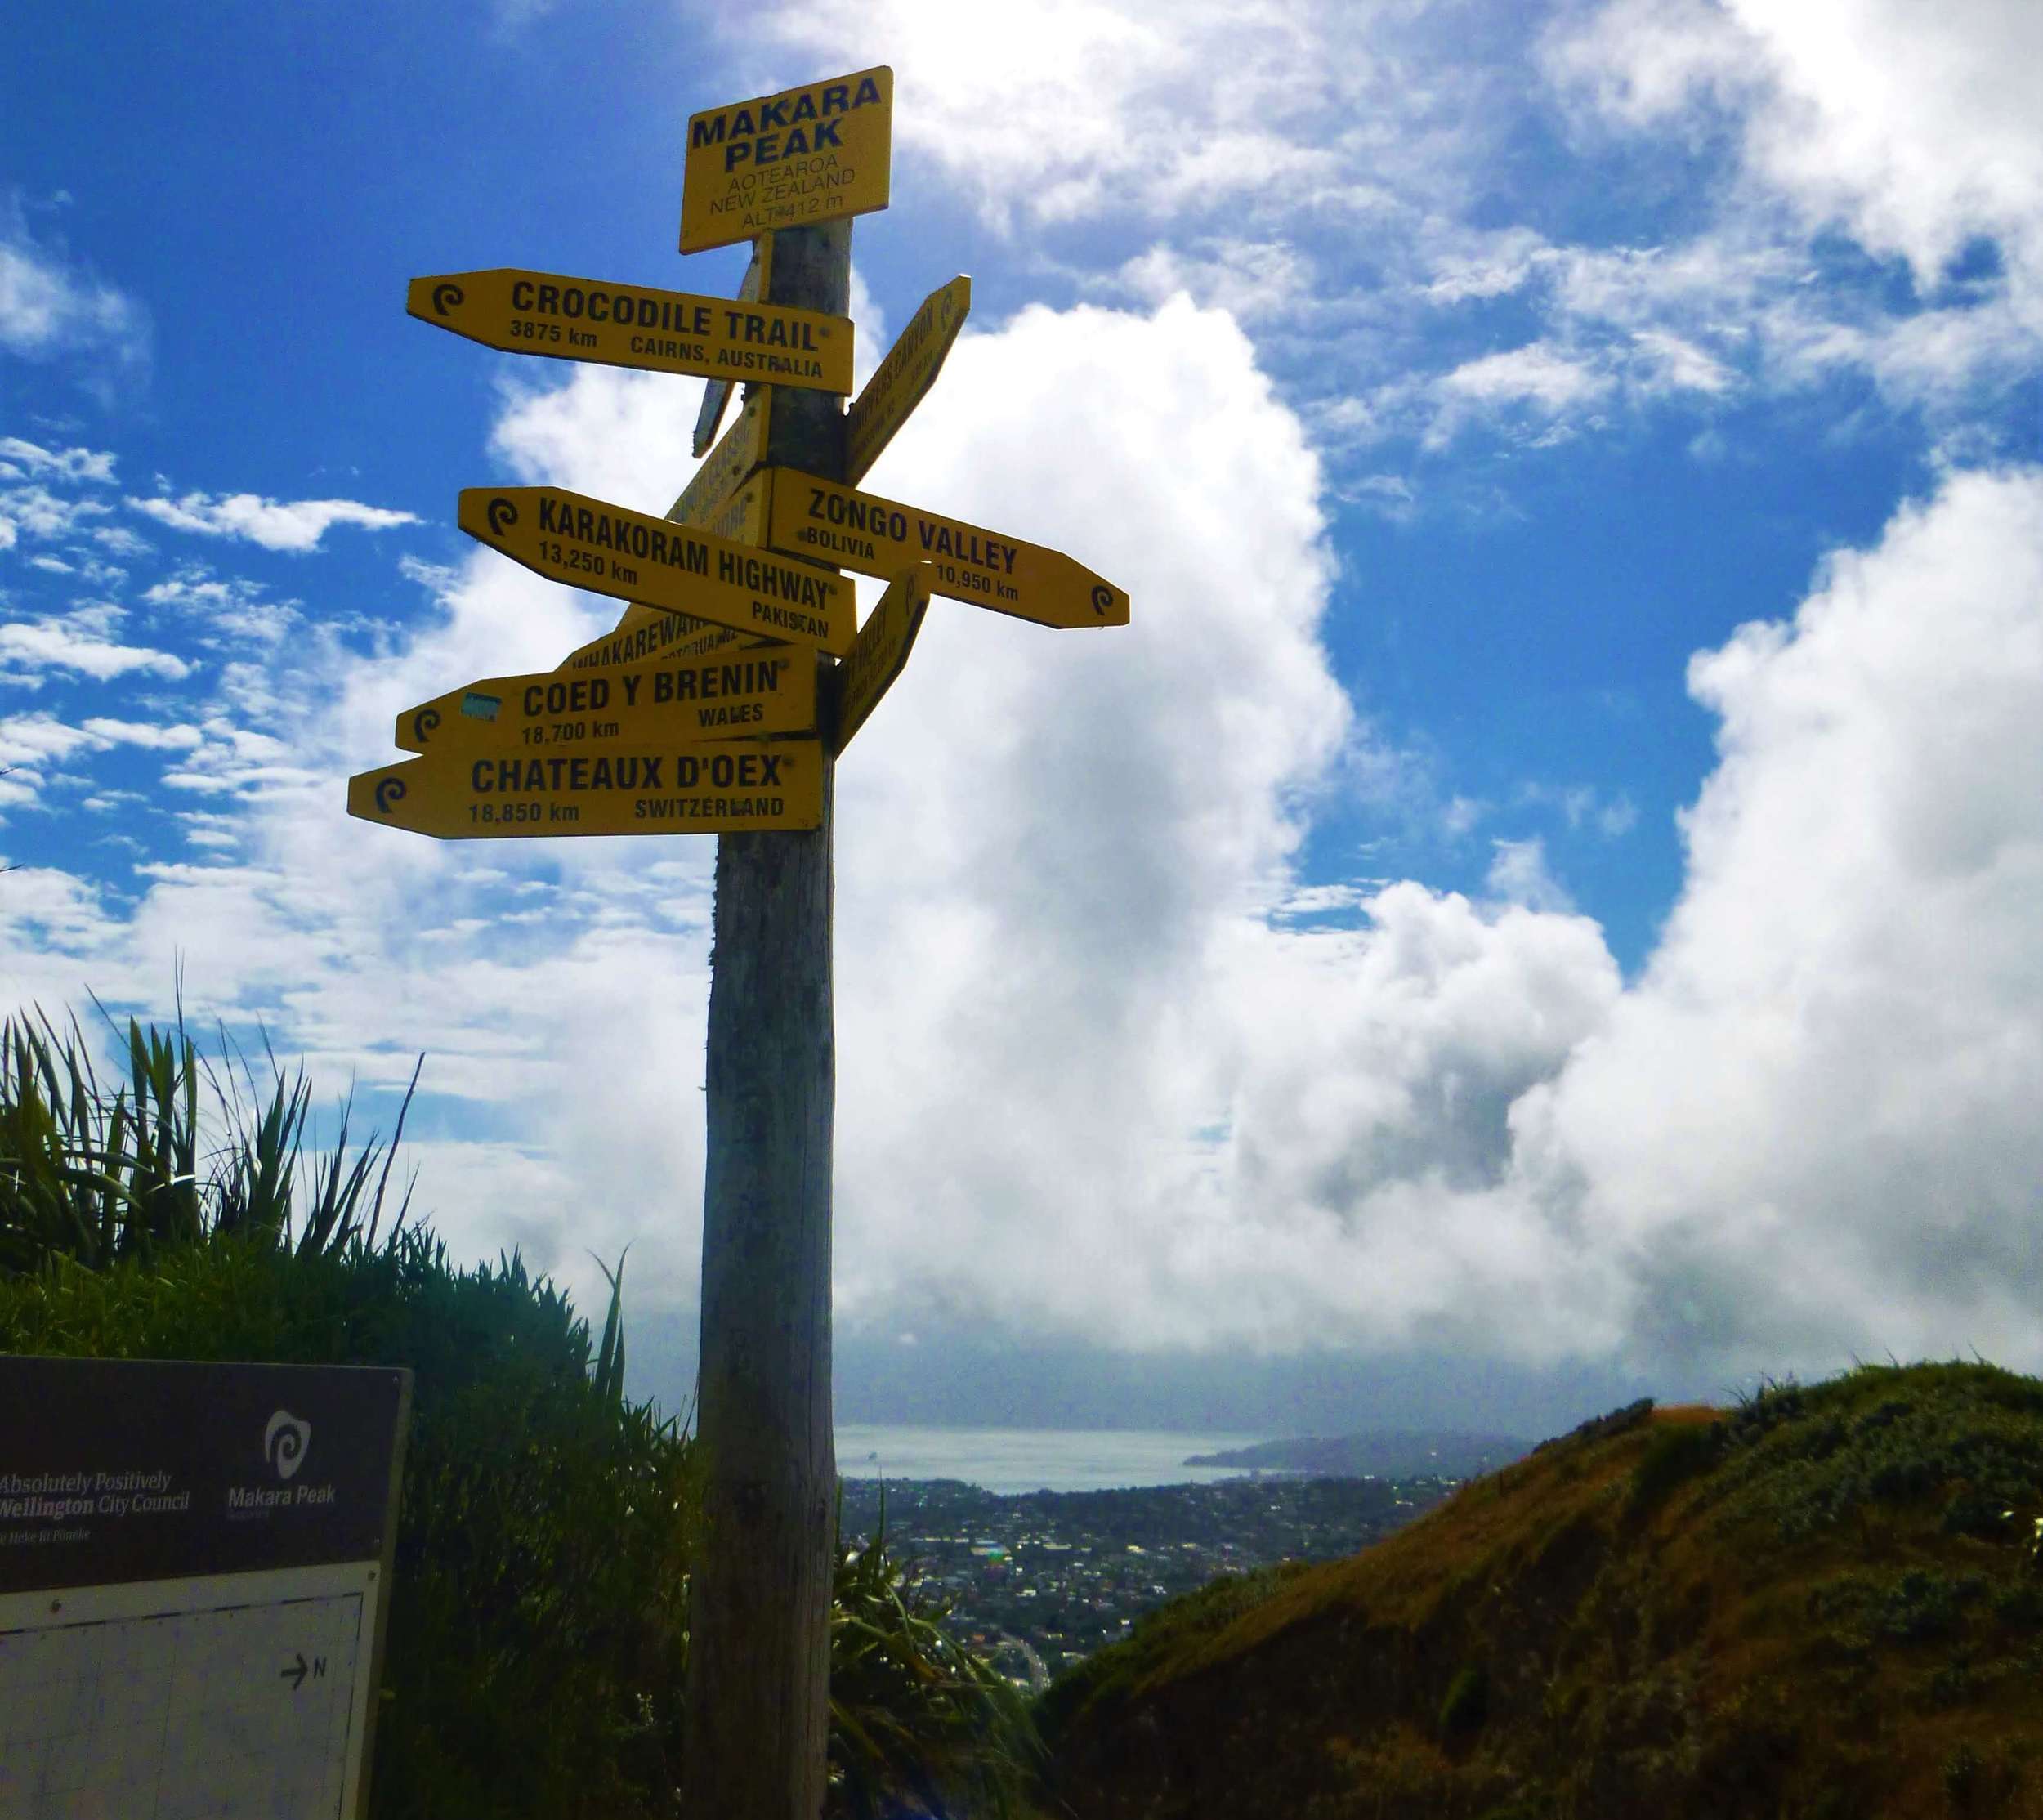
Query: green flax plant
point(97, 1173)
point(920, 1725)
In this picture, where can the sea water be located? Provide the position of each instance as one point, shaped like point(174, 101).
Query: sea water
point(1031, 1459)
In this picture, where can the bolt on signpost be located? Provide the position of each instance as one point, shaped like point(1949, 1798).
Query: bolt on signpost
point(719, 704)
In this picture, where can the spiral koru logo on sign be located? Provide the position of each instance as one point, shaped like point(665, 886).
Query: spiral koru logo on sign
point(1102, 599)
point(284, 1441)
point(502, 515)
point(422, 724)
point(447, 297)
point(390, 790)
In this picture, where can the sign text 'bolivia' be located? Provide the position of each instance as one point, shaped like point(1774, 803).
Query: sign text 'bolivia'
point(879, 537)
point(734, 786)
point(805, 156)
point(637, 704)
point(583, 542)
point(579, 318)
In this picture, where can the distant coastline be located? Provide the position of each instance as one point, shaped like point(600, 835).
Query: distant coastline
point(1398, 1453)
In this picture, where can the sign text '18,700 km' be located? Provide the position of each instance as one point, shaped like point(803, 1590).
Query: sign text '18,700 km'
point(580, 318)
point(737, 695)
point(587, 544)
point(733, 786)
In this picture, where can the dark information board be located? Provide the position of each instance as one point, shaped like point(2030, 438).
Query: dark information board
point(113, 1471)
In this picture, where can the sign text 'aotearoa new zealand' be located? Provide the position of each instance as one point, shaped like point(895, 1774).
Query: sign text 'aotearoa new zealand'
point(795, 159)
point(585, 543)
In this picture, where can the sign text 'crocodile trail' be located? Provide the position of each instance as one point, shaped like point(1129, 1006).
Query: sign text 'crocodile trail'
point(632, 325)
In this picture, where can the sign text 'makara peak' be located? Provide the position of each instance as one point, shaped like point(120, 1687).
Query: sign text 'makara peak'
point(805, 156)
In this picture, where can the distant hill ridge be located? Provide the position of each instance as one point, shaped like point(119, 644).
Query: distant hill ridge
point(1385, 1453)
point(1826, 1603)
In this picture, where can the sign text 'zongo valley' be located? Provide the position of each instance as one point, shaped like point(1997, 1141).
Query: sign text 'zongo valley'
point(639, 705)
point(881, 537)
point(726, 787)
point(804, 156)
point(587, 544)
point(630, 325)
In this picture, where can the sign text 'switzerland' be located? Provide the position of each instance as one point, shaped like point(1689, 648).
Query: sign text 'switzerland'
point(733, 786)
point(795, 159)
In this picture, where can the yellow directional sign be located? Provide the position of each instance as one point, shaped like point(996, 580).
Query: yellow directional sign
point(636, 706)
point(758, 275)
point(584, 319)
point(880, 537)
point(795, 159)
point(585, 542)
point(881, 653)
point(727, 467)
point(642, 631)
point(731, 786)
point(907, 373)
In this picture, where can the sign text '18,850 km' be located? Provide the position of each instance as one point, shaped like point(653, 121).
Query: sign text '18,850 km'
point(728, 787)
point(587, 544)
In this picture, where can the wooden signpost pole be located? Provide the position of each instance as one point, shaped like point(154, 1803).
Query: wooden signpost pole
point(758, 1681)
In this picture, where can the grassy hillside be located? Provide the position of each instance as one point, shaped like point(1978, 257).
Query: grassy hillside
point(1827, 1602)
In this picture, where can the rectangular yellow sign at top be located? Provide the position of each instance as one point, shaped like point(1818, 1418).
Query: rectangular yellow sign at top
point(634, 325)
point(805, 156)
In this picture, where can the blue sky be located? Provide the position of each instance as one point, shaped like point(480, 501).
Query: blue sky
point(1547, 882)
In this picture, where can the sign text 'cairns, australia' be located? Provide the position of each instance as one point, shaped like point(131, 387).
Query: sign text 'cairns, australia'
point(795, 159)
point(587, 544)
point(733, 786)
point(580, 318)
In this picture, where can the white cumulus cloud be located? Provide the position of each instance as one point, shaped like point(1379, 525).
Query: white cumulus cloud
point(296, 525)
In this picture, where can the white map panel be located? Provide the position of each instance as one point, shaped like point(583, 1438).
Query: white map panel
point(228, 1698)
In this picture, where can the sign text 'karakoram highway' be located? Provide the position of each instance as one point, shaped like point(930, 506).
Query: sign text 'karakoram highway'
point(880, 537)
point(587, 544)
point(582, 319)
point(903, 378)
point(798, 158)
point(732, 786)
point(636, 704)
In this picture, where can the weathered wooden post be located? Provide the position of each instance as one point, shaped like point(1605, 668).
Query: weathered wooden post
point(758, 1688)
